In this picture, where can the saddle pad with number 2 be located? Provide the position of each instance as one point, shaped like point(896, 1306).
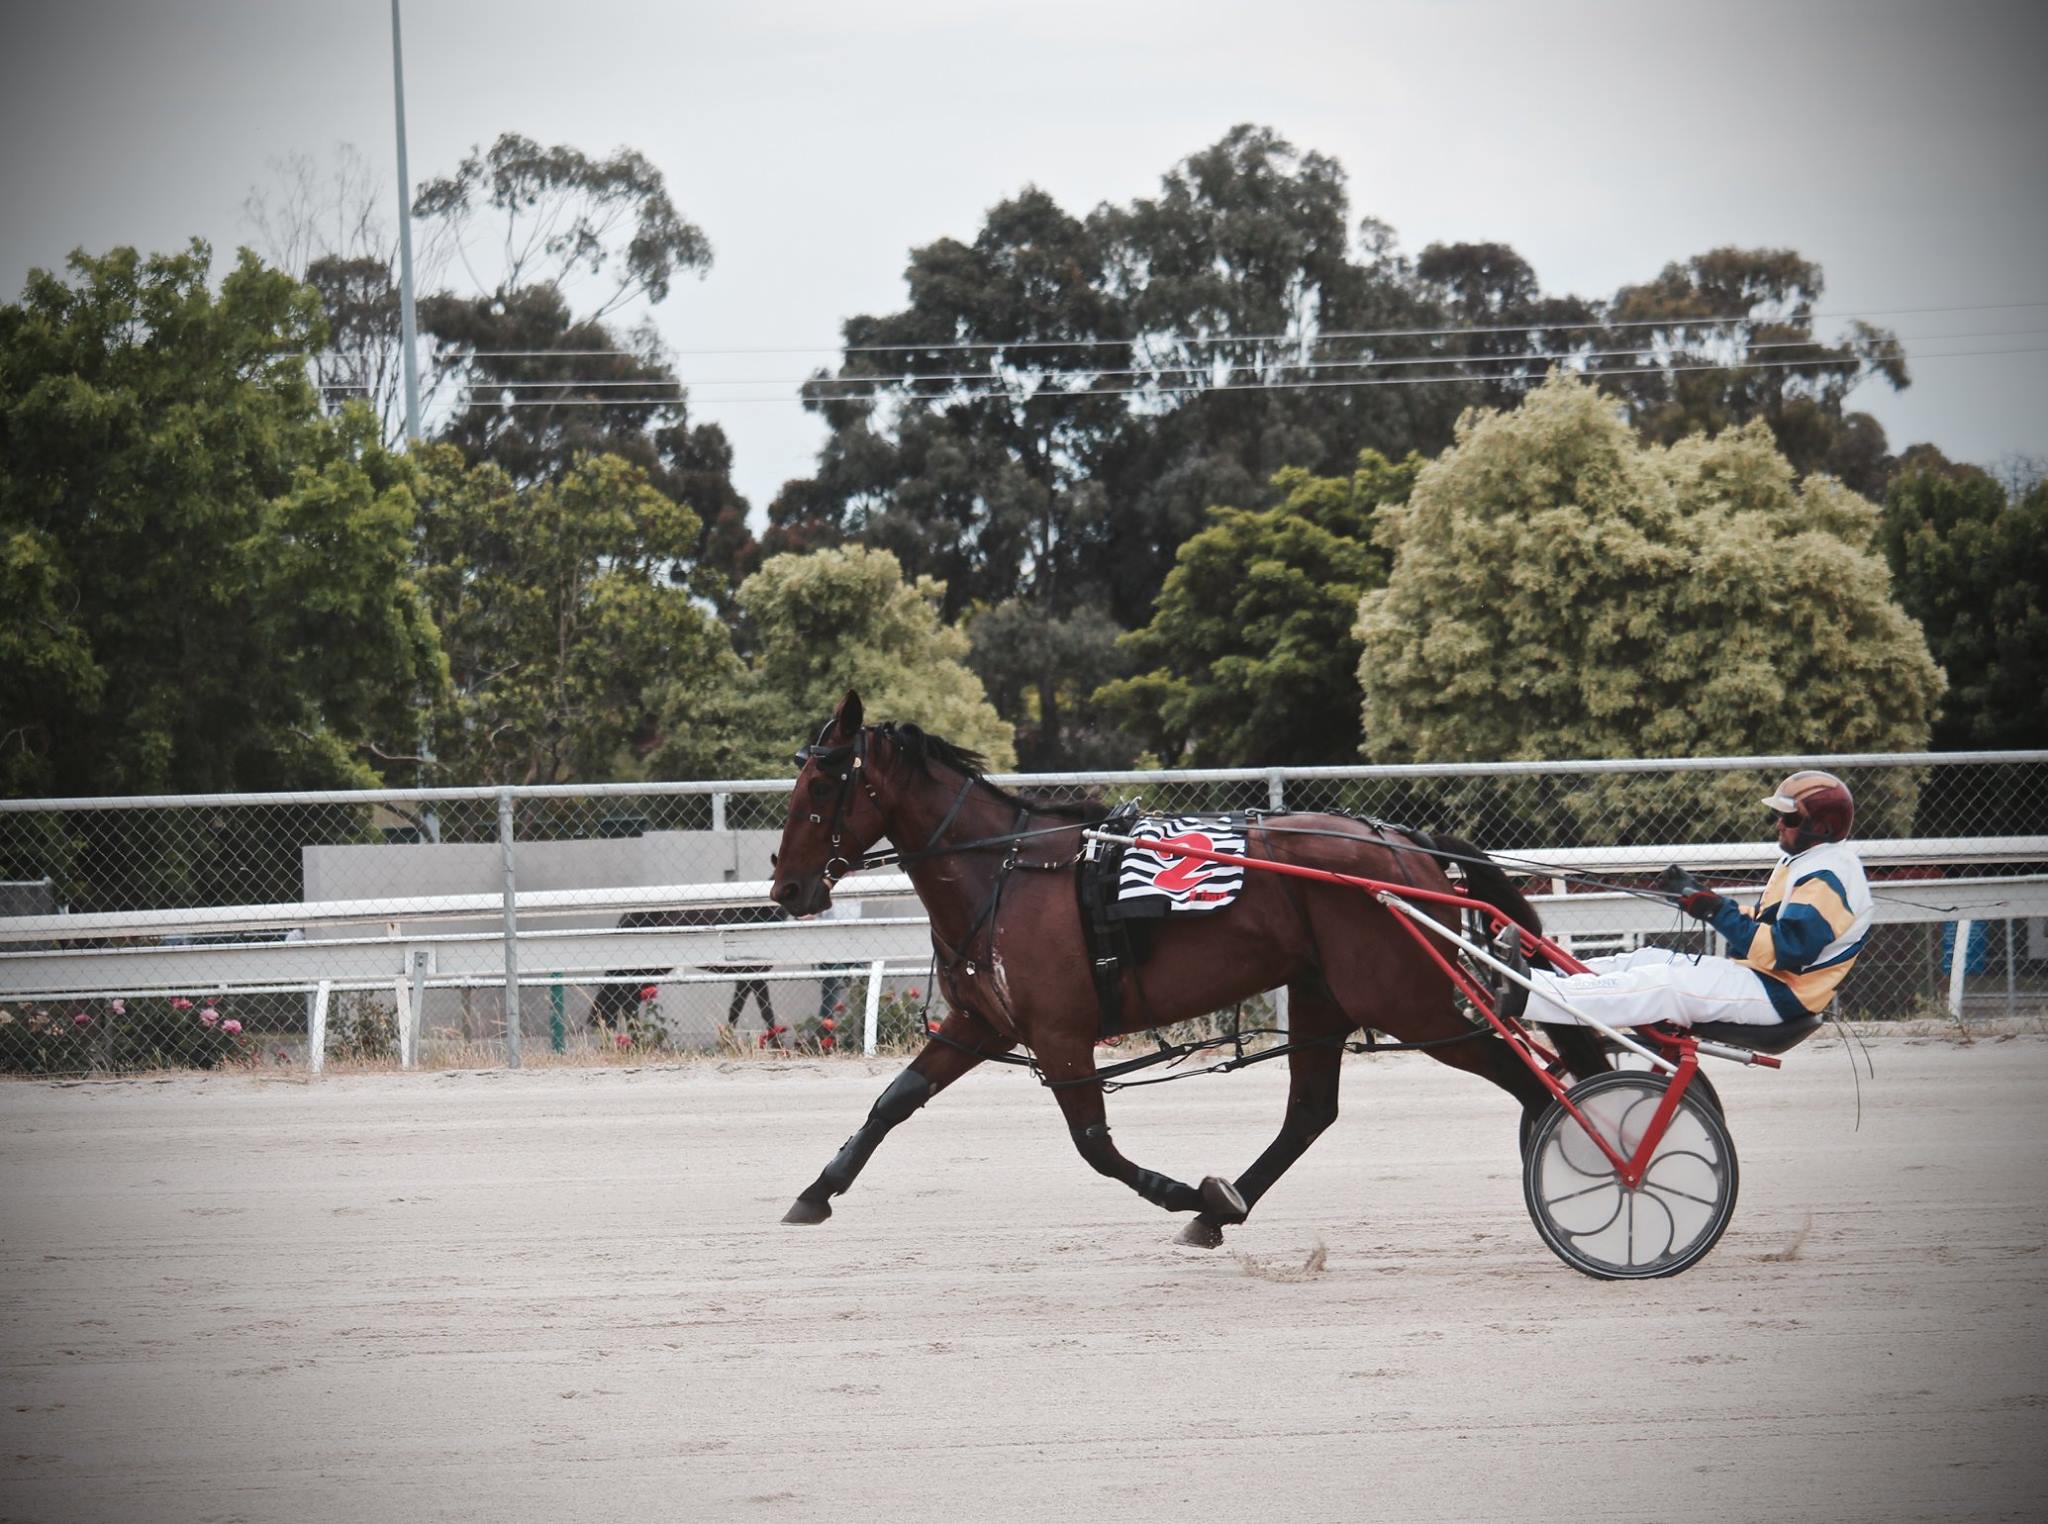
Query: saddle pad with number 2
point(1152, 882)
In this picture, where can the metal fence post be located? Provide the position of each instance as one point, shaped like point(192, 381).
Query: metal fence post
point(511, 931)
point(411, 994)
point(1276, 799)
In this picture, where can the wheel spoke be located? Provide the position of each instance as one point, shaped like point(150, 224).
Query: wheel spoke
point(1598, 1185)
point(1672, 1190)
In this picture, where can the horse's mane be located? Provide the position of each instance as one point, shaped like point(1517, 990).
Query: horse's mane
point(922, 749)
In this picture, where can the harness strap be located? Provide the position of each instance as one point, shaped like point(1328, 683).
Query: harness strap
point(952, 959)
point(1175, 1053)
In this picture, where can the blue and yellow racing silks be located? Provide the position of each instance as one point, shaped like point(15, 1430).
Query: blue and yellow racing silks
point(1806, 931)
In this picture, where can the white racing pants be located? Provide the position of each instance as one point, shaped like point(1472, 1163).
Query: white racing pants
point(1655, 984)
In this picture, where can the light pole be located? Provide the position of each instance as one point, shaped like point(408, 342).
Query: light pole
point(408, 322)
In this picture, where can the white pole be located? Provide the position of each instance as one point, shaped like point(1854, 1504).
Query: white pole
point(505, 845)
point(1959, 957)
point(316, 1028)
point(408, 320)
point(874, 1013)
point(1276, 800)
point(408, 1017)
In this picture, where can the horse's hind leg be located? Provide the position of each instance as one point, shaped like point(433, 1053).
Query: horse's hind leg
point(1316, 1027)
point(963, 1041)
point(1088, 1125)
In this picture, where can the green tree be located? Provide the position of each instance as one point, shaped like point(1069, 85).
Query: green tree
point(846, 618)
point(1250, 658)
point(535, 382)
point(535, 360)
point(1561, 590)
point(207, 582)
point(1043, 670)
point(965, 463)
point(1513, 332)
point(1733, 340)
point(1122, 373)
point(1972, 567)
point(576, 652)
point(1254, 301)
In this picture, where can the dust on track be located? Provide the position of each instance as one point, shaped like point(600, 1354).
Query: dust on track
point(566, 1295)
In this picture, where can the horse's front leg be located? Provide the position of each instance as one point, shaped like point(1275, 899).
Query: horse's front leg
point(962, 1042)
point(1316, 1029)
point(1088, 1125)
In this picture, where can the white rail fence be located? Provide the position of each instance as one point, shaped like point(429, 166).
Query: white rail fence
point(437, 912)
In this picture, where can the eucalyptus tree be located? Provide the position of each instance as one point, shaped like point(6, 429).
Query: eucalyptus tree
point(1729, 336)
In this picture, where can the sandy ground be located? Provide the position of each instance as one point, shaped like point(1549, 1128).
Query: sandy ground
point(566, 1295)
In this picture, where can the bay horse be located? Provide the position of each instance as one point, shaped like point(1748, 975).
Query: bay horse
point(995, 872)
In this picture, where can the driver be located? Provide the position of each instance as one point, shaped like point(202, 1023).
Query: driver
point(1786, 959)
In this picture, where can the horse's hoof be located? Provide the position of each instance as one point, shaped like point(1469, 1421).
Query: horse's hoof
point(1202, 1234)
point(807, 1212)
point(1222, 1202)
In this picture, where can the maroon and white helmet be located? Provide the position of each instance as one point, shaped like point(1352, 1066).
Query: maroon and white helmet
point(1820, 804)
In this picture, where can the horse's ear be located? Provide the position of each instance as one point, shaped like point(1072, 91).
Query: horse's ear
point(847, 717)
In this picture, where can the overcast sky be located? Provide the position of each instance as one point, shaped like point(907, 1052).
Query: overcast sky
point(1903, 146)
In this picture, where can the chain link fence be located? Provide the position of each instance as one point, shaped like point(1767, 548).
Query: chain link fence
point(627, 922)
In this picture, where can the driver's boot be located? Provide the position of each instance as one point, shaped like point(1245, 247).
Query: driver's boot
point(1509, 998)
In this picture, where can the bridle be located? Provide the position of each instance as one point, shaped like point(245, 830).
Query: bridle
point(851, 757)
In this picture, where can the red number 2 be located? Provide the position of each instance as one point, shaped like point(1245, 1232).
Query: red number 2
point(1185, 872)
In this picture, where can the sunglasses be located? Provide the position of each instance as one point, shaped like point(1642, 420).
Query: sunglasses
point(1778, 818)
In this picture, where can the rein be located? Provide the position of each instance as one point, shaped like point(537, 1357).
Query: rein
point(1179, 1052)
point(1519, 864)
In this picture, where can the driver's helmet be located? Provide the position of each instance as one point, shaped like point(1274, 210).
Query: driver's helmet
point(1821, 803)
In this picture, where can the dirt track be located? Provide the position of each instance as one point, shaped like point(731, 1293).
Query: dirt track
point(566, 1295)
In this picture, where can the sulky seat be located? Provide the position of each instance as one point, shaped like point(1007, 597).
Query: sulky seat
point(1781, 1037)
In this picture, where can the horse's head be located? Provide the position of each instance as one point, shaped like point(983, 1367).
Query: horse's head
point(834, 813)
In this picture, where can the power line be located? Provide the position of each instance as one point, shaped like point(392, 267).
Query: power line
point(1516, 358)
point(1192, 340)
point(1075, 373)
point(1646, 372)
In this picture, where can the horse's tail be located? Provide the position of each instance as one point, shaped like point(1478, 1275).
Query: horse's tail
point(1485, 880)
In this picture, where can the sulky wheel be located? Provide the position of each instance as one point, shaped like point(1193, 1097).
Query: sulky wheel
point(1597, 1225)
point(1634, 1063)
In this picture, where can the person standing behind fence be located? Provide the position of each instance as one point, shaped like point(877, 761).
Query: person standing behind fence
point(615, 999)
point(745, 988)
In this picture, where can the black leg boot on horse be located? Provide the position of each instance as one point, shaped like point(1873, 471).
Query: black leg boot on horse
point(937, 1066)
point(1067, 1068)
point(1317, 1027)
